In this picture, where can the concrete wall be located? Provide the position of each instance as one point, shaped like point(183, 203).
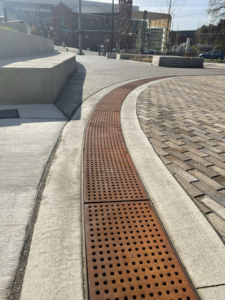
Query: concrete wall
point(177, 62)
point(17, 44)
point(35, 81)
point(21, 27)
point(111, 55)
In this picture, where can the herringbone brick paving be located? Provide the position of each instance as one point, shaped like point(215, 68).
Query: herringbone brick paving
point(184, 119)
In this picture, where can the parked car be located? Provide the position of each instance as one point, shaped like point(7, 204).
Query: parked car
point(150, 51)
point(216, 54)
point(124, 51)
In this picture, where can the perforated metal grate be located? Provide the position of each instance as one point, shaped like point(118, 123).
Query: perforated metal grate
point(129, 256)
point(112, 102)
point(104, 119)
point(104, 138)
point(109, 171)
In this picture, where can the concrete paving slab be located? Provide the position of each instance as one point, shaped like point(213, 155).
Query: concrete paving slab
point(57, 240)
point(212, 293)
point(10, 247)
point(189, 231)
point(25, 146)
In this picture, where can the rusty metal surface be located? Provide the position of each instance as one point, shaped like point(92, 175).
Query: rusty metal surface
point(109, 171)
point(129, 256)
point(112, 102)
point(104, 119)
point(108, 138)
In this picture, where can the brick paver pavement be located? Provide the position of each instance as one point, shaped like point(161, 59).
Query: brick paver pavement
point(184, 119)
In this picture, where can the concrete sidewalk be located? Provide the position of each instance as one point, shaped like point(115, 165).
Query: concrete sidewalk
point(26, 143)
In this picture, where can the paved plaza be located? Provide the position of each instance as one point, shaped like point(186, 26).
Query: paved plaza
point(182, 118)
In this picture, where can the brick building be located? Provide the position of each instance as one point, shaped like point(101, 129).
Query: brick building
point(59, 21)
point(132, 29)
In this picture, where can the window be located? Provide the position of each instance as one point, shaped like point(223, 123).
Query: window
point(62, 23)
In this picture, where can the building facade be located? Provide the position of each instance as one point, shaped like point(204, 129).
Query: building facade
point(133, 29)
point(180, 36)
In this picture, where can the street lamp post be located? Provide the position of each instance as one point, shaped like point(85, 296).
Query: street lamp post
point(80, 30)
point(99, 34)
point(112, 26)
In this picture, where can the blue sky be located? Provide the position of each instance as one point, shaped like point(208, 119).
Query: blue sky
point(192, 15)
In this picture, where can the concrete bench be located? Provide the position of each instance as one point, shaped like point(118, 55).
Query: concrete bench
point(34, 79)
point(111, 55)
point(177, 62)
point(128, 55)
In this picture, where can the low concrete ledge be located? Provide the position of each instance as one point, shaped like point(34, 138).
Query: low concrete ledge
point(18, 44)
point(111, 55)
point(21, 27)
point(128, 56)
point(34, 79)
point(177, 62)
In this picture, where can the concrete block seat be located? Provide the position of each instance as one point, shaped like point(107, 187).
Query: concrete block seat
point(177, 62)
point(128, 55)
point(111, 55)
point(34, 79)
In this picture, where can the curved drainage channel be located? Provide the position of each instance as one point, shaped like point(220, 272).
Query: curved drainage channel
point(128, 253)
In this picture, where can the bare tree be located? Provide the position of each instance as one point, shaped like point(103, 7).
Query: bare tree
point(171, 7)
point(122, 25)
point(216, 10)
point(199, 39)
point(176, 39)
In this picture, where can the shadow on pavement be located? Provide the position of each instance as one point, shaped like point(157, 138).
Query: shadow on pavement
point(16, 115)
point(71, 96)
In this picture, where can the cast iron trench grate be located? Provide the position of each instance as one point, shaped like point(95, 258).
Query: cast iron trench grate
point(128, 253)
